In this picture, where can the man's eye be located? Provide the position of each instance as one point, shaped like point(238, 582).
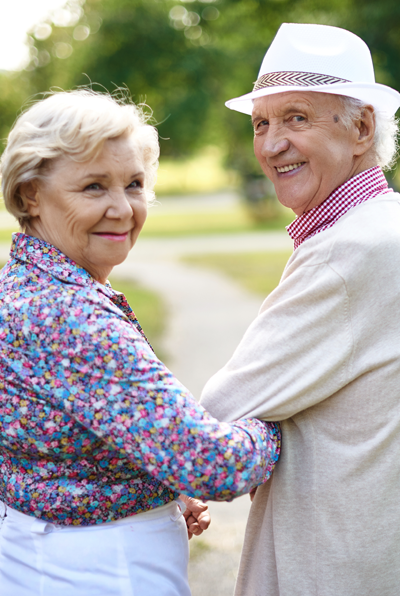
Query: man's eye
point(298, 118)
point(94, 186)
point(260, 124)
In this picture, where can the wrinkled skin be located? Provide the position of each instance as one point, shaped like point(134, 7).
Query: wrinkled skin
point(305, 131)
point(93, 211)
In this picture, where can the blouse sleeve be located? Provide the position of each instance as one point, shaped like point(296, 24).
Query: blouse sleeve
point(104, 374)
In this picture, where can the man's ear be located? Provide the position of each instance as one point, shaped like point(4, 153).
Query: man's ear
point(29, 193)
point(366, 130)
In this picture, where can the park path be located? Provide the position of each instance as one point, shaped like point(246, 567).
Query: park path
point(208, 313)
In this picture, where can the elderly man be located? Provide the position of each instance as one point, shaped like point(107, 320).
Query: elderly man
point(323, 356)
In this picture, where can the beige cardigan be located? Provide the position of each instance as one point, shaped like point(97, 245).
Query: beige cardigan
point(323, 356)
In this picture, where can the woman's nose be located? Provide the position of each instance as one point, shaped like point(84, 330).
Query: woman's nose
point(120, 206)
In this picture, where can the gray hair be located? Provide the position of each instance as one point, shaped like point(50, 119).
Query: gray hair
point(74, 124)
point(386, 130)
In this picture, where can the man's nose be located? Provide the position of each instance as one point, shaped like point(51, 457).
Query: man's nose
point(274, 142)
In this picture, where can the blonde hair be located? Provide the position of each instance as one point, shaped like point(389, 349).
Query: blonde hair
point(74, 124)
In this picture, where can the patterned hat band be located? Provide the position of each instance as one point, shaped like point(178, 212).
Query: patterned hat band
point(301, 79)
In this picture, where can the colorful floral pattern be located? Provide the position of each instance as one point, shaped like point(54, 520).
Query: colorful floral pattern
point(93, 427)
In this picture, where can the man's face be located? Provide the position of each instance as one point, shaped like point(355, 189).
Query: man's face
point(303, 146)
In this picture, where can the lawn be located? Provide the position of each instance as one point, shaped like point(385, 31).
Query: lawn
point(226, 221)
point(196, 223)
point(258, 272)
point(148, 307)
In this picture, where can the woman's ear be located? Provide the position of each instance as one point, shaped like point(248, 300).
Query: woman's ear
point(29, 193)
point(366, 130)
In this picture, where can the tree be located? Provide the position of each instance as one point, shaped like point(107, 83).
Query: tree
point(139, 47)
point(12, 96)
point(185, 58)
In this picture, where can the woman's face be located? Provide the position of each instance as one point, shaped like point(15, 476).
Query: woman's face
point(92, 211)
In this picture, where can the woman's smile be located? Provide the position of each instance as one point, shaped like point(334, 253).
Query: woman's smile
point(113, 236)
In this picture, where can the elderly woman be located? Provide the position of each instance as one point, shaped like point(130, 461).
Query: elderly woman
point(97, 436)
point(323, 355)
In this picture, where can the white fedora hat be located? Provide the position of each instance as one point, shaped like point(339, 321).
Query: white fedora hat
point(322, 59)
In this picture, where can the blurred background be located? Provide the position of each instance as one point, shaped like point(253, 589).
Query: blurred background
point(214, 244)
point(184, 58)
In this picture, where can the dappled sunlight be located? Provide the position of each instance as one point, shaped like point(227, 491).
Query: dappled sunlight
point(199, 174)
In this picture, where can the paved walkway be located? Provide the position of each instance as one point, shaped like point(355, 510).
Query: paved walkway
point(208, 313)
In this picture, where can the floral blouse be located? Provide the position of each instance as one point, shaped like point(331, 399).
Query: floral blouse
point(93, 427)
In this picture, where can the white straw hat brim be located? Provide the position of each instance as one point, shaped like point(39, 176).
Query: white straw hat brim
point(384, 99)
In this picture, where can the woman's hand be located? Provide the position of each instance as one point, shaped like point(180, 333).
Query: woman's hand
point(196, 515)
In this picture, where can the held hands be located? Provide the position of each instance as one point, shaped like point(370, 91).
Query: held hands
point(196, 515)
point(252, 493)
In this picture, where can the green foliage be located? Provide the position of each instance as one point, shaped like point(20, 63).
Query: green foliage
point(378, 23)
point(137, 47)
point(186, 69)
point(12, 96)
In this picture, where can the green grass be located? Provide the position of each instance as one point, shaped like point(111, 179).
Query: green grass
point(196, 224)
point(258, 272)
point(198, 548)
point(148, 307)
point(211, 222)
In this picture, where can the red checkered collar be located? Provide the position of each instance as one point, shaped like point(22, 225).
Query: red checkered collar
point(364, 186)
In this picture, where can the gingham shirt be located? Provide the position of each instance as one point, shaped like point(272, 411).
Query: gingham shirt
point(364, 186)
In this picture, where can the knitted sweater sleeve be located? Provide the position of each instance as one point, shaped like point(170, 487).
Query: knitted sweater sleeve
point(295, 354)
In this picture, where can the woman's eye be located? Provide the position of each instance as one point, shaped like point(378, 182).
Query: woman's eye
point(136, 184)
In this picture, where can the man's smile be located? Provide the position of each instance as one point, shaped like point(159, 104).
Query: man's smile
point(290, 167)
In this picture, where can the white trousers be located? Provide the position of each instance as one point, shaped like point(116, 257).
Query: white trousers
point(142, 555)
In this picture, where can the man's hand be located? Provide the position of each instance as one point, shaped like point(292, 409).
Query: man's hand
point(196, 515)
point(252, 493)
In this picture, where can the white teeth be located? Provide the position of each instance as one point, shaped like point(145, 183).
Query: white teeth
point(289, 168)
